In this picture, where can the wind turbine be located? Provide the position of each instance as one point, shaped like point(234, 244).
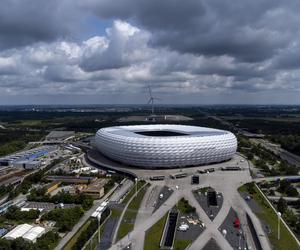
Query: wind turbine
point(151, 99)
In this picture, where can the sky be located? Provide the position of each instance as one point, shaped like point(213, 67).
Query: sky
point(189, 52)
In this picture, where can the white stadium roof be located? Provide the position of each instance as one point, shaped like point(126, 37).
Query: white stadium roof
point(165, 145)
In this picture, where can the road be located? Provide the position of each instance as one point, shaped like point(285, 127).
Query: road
point(122, 215)
point(82, 220)
point(274, 178)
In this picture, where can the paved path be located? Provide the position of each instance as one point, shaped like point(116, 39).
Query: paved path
point(274, 178)
point(225, 182)
point(82, 220)
point(122, 215)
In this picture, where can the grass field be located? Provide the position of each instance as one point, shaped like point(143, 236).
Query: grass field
point(132, 192)
point(268, 215)
point(181, 244)
point(128, 220)
point(73, 240)
point(154, 234)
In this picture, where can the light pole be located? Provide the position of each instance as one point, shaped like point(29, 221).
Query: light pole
point(136, 186)
point(240, 235)
point(177, 196)
point(99, 219)
point(278, 216)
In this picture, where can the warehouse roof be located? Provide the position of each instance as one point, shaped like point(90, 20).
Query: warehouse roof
point(33, 233)
point(18, 231)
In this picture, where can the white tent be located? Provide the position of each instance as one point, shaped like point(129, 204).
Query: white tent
point(34, 233)
point(18, 231)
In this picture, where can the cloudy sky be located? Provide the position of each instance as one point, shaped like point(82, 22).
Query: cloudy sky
point(192, 51)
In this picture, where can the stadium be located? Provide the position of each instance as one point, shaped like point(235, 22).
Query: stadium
point(165, 146)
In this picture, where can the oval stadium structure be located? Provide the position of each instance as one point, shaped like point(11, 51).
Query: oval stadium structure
point(165, 146)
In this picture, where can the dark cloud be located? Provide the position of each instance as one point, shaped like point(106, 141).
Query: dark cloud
point(185, 49)
point(24, 22)
point(213, 28)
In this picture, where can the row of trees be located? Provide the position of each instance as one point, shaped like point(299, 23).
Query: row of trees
point(289, 142)
point(14, 213)
point(287, 188)
point(288, 214)
point(265, 160)
point(91, 229)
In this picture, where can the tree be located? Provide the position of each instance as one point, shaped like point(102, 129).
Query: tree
point(291, 191)
point(283, 185)
point(5, 244)
point(282, 205)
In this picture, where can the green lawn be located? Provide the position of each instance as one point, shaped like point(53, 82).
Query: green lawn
point(181, 244)
point(129, 217)
point(116, 213)
point(73, 240)
point(268, 215)
point(154, 234)
point(132, 192)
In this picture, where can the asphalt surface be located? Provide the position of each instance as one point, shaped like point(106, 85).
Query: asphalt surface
point(234, 235)
point(106, 237)
point(166, 192)
point(211, 211)
point(194, 230)
point(122, 190)
point(211, 245)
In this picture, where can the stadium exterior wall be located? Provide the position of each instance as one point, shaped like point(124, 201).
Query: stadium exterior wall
point(198, 145)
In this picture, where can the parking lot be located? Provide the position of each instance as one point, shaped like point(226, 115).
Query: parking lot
point(234, 234)
point(195, 227)
point(210, 210)
point(46, 205)
point(162, 197)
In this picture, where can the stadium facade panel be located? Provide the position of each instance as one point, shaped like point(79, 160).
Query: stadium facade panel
point(165, 146)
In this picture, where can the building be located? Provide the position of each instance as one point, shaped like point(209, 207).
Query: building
point(165, 146)
point(26, 231)
point(28, 164)
point(71, 179)
point(33, 234)
point(28, 158)
point(18, 231)
point(95, 189)
point(52, 186)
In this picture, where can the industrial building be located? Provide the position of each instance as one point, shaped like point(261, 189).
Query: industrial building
point(26, 231)
point(71, 179)
point(28, 159)
point(165, 146)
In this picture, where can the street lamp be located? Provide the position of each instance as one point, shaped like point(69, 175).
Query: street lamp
point(278, 216)
point(177, 195)
point(99, 219)
point(136, 186)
